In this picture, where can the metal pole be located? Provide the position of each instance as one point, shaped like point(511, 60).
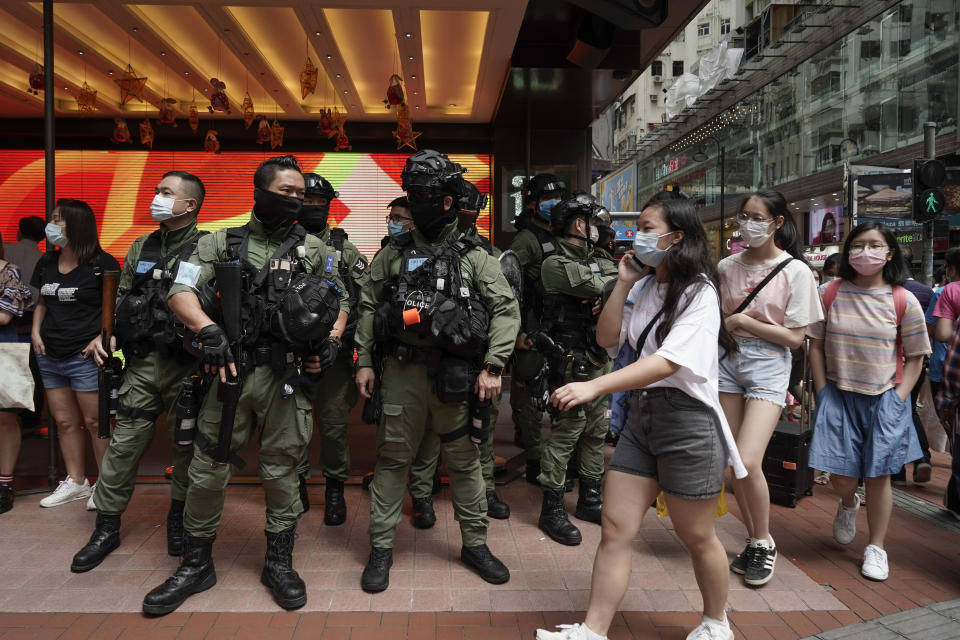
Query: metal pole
point(722, 180)
point(49, 186)
point(930, 153)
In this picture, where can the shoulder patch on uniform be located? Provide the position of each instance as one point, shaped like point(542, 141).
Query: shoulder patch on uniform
point(328, 268)
point(144, 265)
point(187, 274)
point(360, 265)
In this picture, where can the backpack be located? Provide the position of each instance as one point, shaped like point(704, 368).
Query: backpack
point(899, 304)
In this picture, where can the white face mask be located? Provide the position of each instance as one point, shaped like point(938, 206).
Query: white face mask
point(594, 235)
point(162, 208)
point(755, 232)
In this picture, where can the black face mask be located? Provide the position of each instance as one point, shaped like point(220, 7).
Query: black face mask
point(428, 215)
point(274, 210)
point(313, 217)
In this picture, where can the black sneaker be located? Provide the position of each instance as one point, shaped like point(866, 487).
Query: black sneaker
point(742, 559)
point(760, 565)
point(6, 497)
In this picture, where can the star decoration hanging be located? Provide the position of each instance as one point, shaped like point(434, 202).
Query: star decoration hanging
point(86, 99)
point(146, 133)
point(404, 133)
point(247, 109)
point(131, 86)
point(308, 78)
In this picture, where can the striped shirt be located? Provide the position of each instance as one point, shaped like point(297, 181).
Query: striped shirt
point(860, 337)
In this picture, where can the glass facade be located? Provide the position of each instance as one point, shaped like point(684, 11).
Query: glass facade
point(867, 93)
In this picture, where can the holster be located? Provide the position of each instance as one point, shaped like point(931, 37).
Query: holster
point(455, 380)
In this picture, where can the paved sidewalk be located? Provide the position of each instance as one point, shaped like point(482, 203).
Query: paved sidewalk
point(939, 621)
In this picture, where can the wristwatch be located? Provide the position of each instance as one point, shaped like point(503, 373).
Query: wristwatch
point(493, 369)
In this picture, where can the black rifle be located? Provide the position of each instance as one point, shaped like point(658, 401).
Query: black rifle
point(229, 277)
point(111, 371)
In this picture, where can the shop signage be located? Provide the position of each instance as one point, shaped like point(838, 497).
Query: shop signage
point(816, 256)
point(674, 165)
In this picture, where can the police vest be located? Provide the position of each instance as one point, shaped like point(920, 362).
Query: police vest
point(568, 319)
point(143, 322)
point(430, 298)
point(533, 301)
point(264, 290)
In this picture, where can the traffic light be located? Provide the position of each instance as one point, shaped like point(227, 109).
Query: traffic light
point(928, 198)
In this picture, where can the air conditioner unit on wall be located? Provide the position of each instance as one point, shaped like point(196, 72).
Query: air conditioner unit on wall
point(658, 79)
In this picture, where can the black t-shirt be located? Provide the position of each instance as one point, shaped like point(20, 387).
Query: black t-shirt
point(73, 303)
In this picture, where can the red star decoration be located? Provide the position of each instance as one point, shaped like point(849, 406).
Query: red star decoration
point(130, 86)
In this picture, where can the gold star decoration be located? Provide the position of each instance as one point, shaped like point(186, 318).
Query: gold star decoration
point(404, 133)
point(308, 78)
point(86, 99)
point(247, 109)
point(130, 85)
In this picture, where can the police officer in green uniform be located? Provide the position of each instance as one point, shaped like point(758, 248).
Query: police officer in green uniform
point(156, 365)
point(442, 311)
point(336, 392)
point(532, 244)
point(572, 282)
point(290, 292)
point(424, 466)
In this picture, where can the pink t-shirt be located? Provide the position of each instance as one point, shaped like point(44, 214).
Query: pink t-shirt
point(948, 305)
point(789, 300)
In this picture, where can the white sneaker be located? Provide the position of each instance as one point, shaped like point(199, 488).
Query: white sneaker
point(845, 522)
point(569, 632)
point(875, 565)
point(67, 491)
point(711, 631)
point(91, 506)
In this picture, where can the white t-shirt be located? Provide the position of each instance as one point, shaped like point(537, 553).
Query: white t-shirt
point(691, 343)
point(789, 300)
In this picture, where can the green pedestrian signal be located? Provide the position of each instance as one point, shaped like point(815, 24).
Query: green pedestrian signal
point(928, 199)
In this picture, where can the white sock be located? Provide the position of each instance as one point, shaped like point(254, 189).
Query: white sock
point(590, 634)
point(713, 621)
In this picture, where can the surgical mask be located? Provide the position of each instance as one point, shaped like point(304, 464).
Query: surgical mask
point(275, 210)
point(867, 262)
point(646, 249)
point(594, 235)
point(162, 208)
point(756, 232)
point(546, 207)
point(313, 217)
point(394, 228)
point(54, 233)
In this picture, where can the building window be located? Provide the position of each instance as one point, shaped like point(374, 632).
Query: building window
point(656, 68)
point(703, 29)
point(653, 98)
point(724, 26)
point(677, 68)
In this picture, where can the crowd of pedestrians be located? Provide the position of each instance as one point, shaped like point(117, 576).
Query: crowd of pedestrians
point(706, 358)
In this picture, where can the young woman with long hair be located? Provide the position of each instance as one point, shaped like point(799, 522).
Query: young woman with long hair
point(66, 338)
point(675, 438)
point(753, 382)
point(865, 358)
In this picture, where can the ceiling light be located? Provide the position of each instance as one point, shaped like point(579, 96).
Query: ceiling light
point(329, 57)
point(186, 73)
point(452, 104)
point(416, 93)
point(206, 89)
point(163, 53)
point(317, 33)
point(338, 75)
point(110, 72)
point(80, 52)
point(418, 106)
point(409, 57)
point(408, 34)
point(68, 89)
point(413, 77)
point(344, 90)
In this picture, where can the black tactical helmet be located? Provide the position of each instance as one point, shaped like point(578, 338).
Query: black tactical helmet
point(317, 185)
point(307, 310)
point(470, 197)
point(429, 169)
point(543, 183)
point(582, 204)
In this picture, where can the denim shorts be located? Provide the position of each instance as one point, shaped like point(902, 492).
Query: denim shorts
point(77, 372)
point(759, 371)
point(857, 435)
point(674, 439)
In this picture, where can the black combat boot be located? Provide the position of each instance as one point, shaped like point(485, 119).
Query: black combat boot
point(175, 528)
point(278, 575)
point(195, 574)
point(533, 472)
point(554, 521)
point(304, 496)
point(485, 564)
point(105, 538)
point(423, 514)
point(590, 502)
point(376, 575)
point(335, 509)
point(497, 508)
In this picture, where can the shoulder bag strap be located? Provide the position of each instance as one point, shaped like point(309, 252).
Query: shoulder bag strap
point(753, 294)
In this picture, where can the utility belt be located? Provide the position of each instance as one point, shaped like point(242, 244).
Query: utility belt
point(144, 348)
point(452, 376)
point(275, 354)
